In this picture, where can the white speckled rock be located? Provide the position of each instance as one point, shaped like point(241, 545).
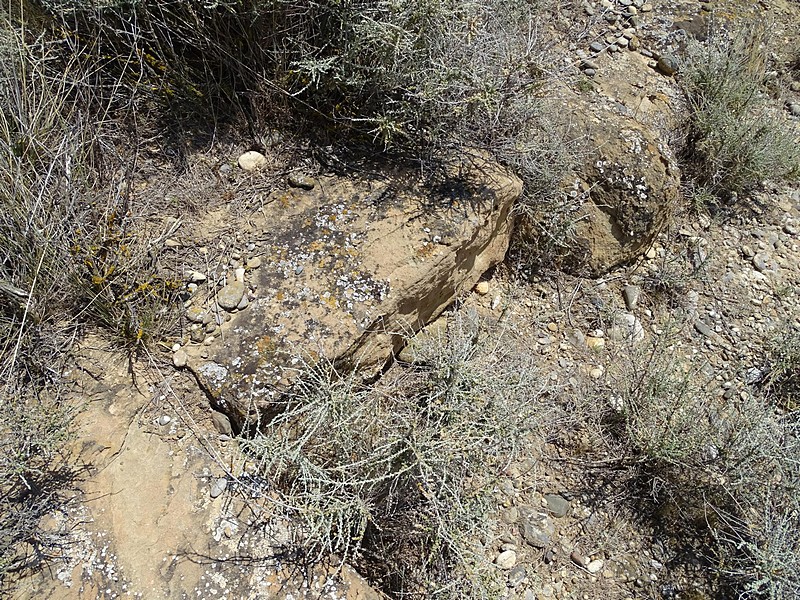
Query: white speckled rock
point(349, 264)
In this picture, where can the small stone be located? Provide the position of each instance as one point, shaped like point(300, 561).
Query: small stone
point(164, 420)
point(704, 329)
point(747, 251)
point(622, 42)
point(516, 576)
point(252, 160)
point(795, 86)
point(195, 314)
point(253, 263)
point(650, 254)
point(506, 560)
point(197, 277)
point(761, 262)
point(243, 303)
point(596, 47)
point(231, 295)
point(631, 293)
point(595, 566)
point(482, 288)
point(238, 274)
point(590, 72)
point(180, 358)
point(557, 505)
point(794, 109)
point(218, 487)
point(298, 180)
point(197, 335)
point(596, 373)
point(634, 43)
point(579, 559)
point(646, 8)
point(595, 343)
point(552, 327)
point(221, 422)
point(667, 64)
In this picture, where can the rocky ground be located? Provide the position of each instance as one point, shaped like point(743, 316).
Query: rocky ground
point(157, 514)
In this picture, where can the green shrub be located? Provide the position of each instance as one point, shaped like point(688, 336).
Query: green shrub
point(398, 479)
point(736, 137)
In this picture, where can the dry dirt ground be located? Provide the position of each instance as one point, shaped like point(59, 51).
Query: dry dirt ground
point(142, 522)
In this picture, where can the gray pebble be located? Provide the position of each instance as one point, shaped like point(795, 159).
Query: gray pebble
point(557, 505)
point(231, 295)
point(164, 420)
point(218, 487)
point(761, 262)
point(667, 64)
point(704, 329)
point(180, 358)
point(221, 422)
point(631, 293)
point(506, 560)
point(298, 180)
point(516, 576)
point(794, 109)
point(596, 47)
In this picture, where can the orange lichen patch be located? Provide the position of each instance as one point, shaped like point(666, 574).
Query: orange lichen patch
point(280, 296)
point(426, 251)
point(266, 346)
point(330, 301)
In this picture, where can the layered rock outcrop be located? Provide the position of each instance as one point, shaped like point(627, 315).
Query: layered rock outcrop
point(346, 271)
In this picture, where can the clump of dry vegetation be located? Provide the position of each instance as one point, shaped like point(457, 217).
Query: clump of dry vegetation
point(721, 473)
point(736, 136)
point(399, 478)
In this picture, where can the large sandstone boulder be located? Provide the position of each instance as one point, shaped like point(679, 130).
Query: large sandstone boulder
point(633, 187)
point(617, 200)
point(347, 271)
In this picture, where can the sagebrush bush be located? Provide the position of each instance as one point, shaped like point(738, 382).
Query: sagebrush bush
point(728, 465)
point(420, 79)
point(736, 137)
point(70, 257)
point(782, 378)
point(399, 479)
